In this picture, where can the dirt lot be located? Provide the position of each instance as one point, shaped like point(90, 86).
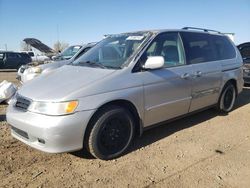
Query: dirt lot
point(202, 150)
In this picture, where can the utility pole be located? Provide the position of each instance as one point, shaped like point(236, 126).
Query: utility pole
point(5, 46)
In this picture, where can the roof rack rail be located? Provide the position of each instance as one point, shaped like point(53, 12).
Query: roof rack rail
point(205, 30)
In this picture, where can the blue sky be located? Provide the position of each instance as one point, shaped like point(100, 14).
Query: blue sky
point(79, 21)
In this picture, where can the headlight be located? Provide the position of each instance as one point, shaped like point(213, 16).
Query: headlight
point(53, 108)
point(246, 70)
point(37, 70)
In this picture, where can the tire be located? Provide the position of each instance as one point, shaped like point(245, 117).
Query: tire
point(227, 98)
point(110, 133)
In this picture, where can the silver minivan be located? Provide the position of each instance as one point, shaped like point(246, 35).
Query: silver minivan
point(123, 85)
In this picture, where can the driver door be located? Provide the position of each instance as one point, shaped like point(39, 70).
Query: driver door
point(167, 91)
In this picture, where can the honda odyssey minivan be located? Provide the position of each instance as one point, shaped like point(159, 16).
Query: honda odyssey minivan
point(124, 85)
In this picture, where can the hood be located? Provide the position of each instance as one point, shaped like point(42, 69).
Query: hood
point(53, 65)
point(59, 84)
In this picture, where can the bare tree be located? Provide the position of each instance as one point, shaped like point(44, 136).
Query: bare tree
point(25, 46)
point(60, 46)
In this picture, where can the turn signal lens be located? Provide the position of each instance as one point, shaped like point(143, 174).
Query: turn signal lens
point(71, 106)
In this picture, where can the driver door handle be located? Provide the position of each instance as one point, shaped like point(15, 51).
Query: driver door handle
point(185, 76)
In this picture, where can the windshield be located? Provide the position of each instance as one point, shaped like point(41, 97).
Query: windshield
point(113, 51)
point(69, 52)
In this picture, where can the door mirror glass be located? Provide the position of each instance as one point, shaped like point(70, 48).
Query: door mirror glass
point(154, 62)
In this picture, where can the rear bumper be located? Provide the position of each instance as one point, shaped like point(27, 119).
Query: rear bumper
point(52, 134)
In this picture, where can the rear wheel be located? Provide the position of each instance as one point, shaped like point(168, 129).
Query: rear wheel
point(111, 133)
point(227, 98)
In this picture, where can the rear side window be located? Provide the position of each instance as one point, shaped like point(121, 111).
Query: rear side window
point(224, 48)
point(198, 47)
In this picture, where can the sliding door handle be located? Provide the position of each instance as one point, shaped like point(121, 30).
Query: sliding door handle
point(198, 74)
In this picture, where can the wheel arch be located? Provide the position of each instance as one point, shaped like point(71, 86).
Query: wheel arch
point(121, 103)
point(232, 81)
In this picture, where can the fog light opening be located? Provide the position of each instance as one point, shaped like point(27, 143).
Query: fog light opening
point(41, 140)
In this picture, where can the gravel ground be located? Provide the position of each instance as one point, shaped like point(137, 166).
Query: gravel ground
point(203, 150)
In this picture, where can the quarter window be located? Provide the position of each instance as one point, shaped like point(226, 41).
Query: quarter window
point(224, 48)
point(169, 46)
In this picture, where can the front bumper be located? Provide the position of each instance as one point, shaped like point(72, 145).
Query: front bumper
point(26, 76)
point(246, 76)
point(52, 134)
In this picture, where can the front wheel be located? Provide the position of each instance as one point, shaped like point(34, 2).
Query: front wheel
point(111, 133)
point(227, 98)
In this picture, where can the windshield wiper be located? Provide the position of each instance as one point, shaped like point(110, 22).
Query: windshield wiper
point(92, 63)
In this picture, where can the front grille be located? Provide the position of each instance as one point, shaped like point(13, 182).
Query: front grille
point(20, 132)
point(247, 79)
point(22, 103)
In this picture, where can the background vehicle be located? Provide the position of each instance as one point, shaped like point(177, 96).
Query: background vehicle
point(245, 53)
point(13, 60)
point(26, 73)
point(123, 85)
point(36, 57)
point(67, 53)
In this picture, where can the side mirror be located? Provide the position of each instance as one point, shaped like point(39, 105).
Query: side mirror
point(154, 62)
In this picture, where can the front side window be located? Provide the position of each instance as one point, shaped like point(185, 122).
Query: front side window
point(113, 51)
point(169, 46)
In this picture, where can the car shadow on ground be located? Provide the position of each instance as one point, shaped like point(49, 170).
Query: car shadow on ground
point(167, 129)
point(243, 98)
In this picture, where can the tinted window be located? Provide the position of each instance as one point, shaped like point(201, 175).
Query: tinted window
point(198, 47)
point(169, 46)
point(224, 48)
point(31, 54)
point(12, 55)
point(1, 55)
point(24, 55)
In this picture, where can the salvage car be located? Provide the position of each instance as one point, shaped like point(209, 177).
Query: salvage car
point(13, 60)
point(26, 73)
point(245, 53)
point(67, 53)
point(124, 85)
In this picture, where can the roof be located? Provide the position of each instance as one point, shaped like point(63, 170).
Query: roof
point(185, 29)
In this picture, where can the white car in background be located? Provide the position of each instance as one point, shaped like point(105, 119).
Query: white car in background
point(36, 57)
point(26, 73)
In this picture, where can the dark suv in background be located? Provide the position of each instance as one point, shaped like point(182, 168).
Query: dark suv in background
point(245, 53)
point(13, 60)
